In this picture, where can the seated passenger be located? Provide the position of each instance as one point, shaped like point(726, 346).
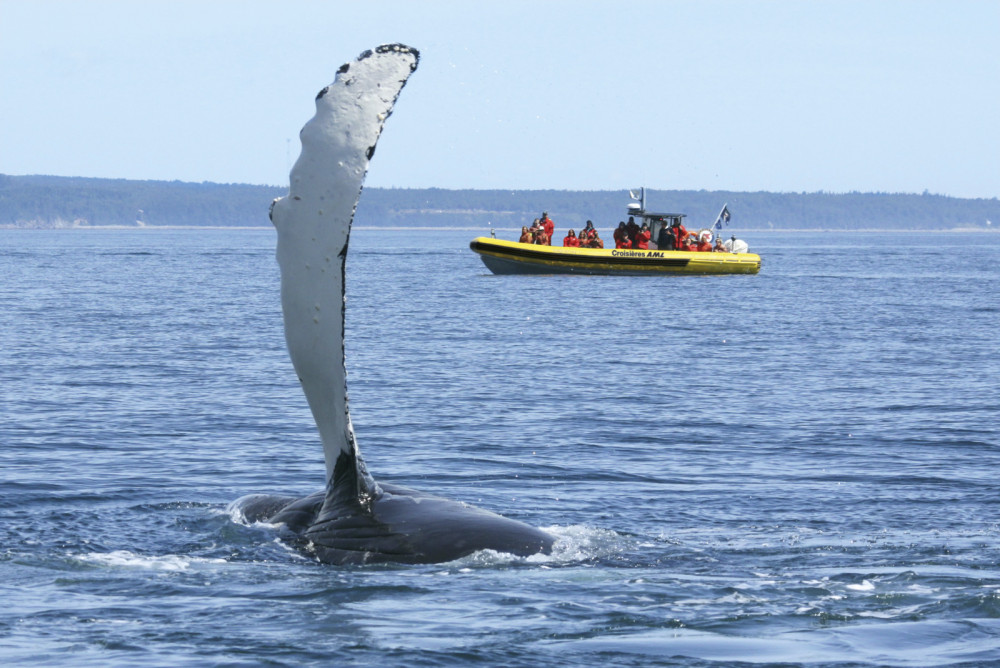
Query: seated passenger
point(622, 241)
point(642, 237)
point(719, 246)
point(595, 241)
point(541, 239)
point(525, 235)
point(570, 240)
point(703, 245)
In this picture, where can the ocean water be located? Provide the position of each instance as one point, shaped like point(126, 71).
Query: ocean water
point(798, 467)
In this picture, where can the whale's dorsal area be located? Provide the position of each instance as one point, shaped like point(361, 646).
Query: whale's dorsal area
point(354, 519)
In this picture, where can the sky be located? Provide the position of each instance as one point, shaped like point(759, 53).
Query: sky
point(773, 95)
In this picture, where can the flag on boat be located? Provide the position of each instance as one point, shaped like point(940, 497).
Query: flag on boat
point(723, 218)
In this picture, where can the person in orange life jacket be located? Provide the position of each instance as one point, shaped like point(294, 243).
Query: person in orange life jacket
point(703, 245)
point(542, 239)
point(570, 240)
point(587, 232)
point(525, 235)
point(548, 225)
point(623, 242)
point(596, 241)
point(620, 232)
point(642, 237)
point(680, 236)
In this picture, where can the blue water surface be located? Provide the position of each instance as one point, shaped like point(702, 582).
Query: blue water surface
point(797, 467)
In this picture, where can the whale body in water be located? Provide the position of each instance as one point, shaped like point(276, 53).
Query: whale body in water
point(354, 519)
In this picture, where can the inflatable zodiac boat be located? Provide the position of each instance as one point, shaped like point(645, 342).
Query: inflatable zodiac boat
point(512, 257)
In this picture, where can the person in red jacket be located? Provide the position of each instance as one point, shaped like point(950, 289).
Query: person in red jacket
point(642, 237)
point(619, 233)
point(548, 226)
point(680, 236)
point(704, 245)
point(622, 241)
point(570, 240)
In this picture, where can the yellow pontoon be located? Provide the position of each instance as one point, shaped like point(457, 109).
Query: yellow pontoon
point(512, 257)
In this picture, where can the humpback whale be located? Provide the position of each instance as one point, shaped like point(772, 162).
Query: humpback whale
point(354, 520)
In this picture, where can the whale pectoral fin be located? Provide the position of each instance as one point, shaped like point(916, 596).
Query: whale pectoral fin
point(314, 223)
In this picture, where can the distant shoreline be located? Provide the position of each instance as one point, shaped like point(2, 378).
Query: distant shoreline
point(47, 202)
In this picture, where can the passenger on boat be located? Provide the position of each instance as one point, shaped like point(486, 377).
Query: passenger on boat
point(719, 246)
point(622, 241)
point(680, 236)
point(595, 241)
point(665, 239)
point(642, 238)
point(587, 232)
point(525, 235)
point(633, 229)
point(548, 226)
point(542, 239)
point(570, 240)
point(703, 245)
point(620, 232)
point(535, 229)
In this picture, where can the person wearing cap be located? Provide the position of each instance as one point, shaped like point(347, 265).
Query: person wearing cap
point(548, 225)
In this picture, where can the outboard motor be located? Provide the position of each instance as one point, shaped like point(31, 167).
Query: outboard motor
point(734, 245)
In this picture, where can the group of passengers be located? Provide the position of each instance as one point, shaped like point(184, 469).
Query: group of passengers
point(540, 233)
point(676, 237)
point(589, 238)
point(627, 235)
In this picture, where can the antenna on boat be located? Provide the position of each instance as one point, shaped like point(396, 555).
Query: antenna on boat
point(641, 197)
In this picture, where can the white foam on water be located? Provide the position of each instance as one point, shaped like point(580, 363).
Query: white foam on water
point(126, 559)
point(573, 544)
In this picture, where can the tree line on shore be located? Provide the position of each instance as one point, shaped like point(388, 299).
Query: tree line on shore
point(59, 202)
